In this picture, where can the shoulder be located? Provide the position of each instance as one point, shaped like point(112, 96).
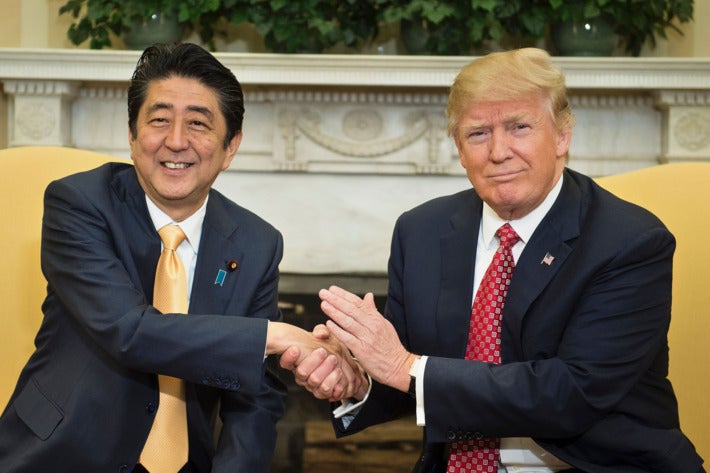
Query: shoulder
point(610, 210)
point(94, 184)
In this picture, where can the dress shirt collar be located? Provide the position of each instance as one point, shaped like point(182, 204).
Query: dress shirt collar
point(191, 226)
point(524, 227)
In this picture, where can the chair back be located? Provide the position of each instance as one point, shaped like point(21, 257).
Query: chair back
point(26, 172)
point(679, 194)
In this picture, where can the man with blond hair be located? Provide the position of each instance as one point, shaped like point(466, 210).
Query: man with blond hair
point(526, 318)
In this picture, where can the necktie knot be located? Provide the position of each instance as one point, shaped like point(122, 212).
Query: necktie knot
point(507, 236)
point(172, 236)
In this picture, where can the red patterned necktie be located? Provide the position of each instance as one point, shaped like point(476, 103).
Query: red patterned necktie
point(484, 345)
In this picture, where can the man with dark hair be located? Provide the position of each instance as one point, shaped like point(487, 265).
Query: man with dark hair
point(90, 395)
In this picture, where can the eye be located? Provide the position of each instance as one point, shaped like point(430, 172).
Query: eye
point(477, 134)
point(157, 121)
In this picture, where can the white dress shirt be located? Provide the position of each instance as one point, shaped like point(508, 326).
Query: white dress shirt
point(191, 227)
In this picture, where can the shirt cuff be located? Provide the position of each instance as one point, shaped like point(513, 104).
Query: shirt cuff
point(418, 372)
point(349, 406)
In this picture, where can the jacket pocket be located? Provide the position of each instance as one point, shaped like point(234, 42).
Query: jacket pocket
point(39, 413)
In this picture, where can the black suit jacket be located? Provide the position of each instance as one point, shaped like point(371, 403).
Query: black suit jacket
point(85, 401)
point(584, 347)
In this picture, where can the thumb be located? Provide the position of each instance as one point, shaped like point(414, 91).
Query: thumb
point(289, 358)
point(321, 332)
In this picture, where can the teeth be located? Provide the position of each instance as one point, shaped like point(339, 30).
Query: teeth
point(170, 165)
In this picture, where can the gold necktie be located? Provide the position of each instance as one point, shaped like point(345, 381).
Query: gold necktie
point(166, 449)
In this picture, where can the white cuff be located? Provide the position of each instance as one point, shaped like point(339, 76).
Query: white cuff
point(348, 405)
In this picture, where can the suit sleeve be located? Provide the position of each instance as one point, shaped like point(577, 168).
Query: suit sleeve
point(92, 274)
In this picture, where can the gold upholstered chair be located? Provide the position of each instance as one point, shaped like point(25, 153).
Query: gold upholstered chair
point(679, 194)
point(26, 171)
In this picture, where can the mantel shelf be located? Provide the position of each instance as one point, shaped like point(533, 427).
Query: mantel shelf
point(623, 73)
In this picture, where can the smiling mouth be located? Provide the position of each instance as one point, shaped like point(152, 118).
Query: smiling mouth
point(171, 165)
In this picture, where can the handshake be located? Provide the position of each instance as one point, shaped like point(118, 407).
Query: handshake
point(323, 361)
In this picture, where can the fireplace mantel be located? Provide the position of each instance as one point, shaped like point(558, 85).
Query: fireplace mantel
point(337, 146)
point(362, 71)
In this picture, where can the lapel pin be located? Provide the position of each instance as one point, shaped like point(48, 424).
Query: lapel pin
point(232, 264)
point(548, 259)
point(221, 275)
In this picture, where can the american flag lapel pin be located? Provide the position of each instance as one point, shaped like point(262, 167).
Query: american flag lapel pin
point(547, 259)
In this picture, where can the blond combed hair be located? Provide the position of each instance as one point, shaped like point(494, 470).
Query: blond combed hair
point(510, 75)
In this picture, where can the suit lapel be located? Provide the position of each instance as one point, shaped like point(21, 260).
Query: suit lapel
point(215, 275)
point(143, 242)
point(458, 251)
point(534, 271)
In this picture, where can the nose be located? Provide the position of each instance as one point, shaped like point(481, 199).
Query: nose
point(500, 146)
point(177, 138)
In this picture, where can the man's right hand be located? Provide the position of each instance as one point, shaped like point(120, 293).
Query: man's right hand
point(324, 374)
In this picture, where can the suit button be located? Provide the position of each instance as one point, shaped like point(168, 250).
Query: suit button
point(123, 469)
point(150, 408)
point(451, 435)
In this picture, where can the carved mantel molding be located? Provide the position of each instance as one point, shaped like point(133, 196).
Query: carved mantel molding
point(388, 109)
point(350, 141)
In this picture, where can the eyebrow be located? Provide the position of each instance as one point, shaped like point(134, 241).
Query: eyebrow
point(513, 117)
point(192, 108)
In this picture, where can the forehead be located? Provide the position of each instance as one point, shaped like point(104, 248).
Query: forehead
point(504, 110)
point(181, 92)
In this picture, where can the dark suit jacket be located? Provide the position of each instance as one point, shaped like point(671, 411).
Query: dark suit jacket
point(85, 401)
point(584, 347)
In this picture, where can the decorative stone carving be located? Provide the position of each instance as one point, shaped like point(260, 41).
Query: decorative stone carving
point(41, 111)
point(35, 120)
point(345, 132)
point(686, 124)
point(692, 130)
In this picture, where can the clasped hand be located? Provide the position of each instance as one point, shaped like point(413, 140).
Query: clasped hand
point(370, 337)
point(320, 362)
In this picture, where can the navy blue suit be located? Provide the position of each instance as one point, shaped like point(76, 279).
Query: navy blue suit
point(85, 401)
point(584, 346)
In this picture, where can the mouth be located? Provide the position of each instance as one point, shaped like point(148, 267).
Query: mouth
point(172, 165)
point(504, 176)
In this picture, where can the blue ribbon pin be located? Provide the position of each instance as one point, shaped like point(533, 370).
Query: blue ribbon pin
point(221, 275)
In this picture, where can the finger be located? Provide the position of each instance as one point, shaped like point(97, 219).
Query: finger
point(321, 372)
point(345, 296)
point(321, 332)
point(339, 385)
point(348, 339)
point(289, 358)
point(329, 383)
point(311, 363)
point(342, 300)
point(369, 300)
point(338, 316)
